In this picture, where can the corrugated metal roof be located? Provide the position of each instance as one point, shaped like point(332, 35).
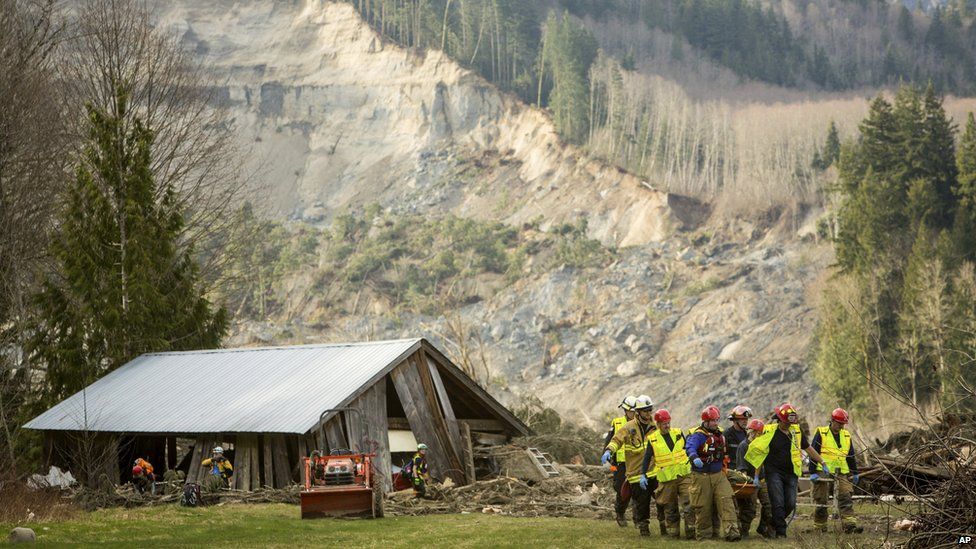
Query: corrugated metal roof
point(255, 390)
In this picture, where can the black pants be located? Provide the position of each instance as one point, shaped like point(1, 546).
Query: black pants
point(640, 501)
point(782, 497)
point(419, 488)
point(619, 478)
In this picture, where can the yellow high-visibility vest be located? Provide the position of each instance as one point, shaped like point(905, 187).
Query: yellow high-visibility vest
point(669, 464)
point(759, 448)
point(616, 424)
point(833, 455)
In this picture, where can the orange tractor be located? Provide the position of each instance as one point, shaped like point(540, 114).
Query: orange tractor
point(341, 484)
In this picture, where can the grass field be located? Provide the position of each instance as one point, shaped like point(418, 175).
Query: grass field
point(279, 525)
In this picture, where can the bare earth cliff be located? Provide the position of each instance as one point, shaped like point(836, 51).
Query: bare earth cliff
point(689, 312)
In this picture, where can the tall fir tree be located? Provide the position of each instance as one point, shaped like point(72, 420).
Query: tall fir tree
point(964, 229)
point(124, 284)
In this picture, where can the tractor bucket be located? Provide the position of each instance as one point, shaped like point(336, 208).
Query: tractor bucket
point(350, 501)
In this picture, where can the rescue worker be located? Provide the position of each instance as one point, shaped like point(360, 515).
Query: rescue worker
point(632, 438)
point(755, 429)
point(666, 448)
point(710, 487)
point(834, 444)
point(618, 462)
point(219, 466)
point(777, 451)
point(735, 434)
point(419, 471)
point(142, 476)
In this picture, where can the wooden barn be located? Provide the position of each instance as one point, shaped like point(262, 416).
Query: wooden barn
point(270, 406)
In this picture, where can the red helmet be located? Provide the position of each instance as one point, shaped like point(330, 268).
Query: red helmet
point(740, 412)
point(841, 416)
point(136, 471)
point(711, 413)
point(787, 413)
point(756, 425)
point(662, 416)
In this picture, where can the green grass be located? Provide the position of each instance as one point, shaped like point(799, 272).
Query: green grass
point(279, 525)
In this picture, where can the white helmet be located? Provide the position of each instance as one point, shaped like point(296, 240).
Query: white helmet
point(218, 450)
point(644, 402)
point(628, 403)
point(421, 446)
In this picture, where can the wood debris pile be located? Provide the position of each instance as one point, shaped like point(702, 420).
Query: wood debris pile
point(128, 496)
point(580, 491)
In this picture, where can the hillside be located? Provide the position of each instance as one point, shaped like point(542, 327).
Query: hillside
point(340, 119)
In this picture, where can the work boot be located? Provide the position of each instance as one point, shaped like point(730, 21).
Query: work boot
point(664, 528)
point(853, 529)
point(621, 521)
point(689, 532)
point(645, 530)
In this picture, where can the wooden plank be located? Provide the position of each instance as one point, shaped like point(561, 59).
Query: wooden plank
point(281, 465)
point(468, 453)
point(201, 450)
point(255, 464)
point(355, 430)
point(452, 425)
point(245, 449)
point(266, 461)
point(302, 453)
point(375, 440)
point(486, 425)
point(334, 436)
point(451, 447)
point(171, 457)
point(409, 388)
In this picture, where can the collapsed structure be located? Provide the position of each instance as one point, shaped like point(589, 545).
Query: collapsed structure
point(271, 406)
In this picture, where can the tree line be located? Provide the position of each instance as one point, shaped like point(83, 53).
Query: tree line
point(115, 166)
point(899, 318)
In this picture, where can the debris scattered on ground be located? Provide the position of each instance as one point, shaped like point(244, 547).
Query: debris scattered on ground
point(55, 478)
point(582, 491)
point(128, 496)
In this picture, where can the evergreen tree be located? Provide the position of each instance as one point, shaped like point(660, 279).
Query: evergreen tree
point(831, 152)
point(124, 283)
point(964, 230)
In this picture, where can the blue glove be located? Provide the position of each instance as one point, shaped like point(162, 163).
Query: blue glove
point(755, 480)
point(856, 478)
point(814, 477)
point(698, 463)
point(643, 482)
point(826, 469)
point(605, 458)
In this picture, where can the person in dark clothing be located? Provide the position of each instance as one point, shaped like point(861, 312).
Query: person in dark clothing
point(735, 434)
point(419, 471)
point(834, 444)
point(710, 486)
point(777, 451)
point(618, 461)
point(764, 529)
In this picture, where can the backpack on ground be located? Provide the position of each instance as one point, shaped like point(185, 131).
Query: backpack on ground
point(191, 495)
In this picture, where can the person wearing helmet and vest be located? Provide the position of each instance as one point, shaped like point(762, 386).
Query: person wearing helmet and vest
point(834, 444)
point(632, 438)
point(778, 452)
point(142, 476)
point(710, 487)
point(419, 471)
point(735, 434)
point(666, 449)
point(618, 462)
point(755, 429)
point(219, 466)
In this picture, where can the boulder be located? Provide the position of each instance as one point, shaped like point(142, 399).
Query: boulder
point(22, 535)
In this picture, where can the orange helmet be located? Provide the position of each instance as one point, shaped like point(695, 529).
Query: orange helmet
point(662, 416)
point(711, 413)
point(740, 412)
point(787, 413)
point(841, 416)
point(756, 425)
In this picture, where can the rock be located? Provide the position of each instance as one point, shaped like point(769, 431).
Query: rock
point(627, 369)
point(314, 214)
point(635, 344)
point(581, 349)
point(22, 535)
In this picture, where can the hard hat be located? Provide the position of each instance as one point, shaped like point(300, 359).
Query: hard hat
point(421, 446)
point(787, 413)
point(136, 471)
point(644, 402)
point(711, 413)
point(841, 416)
point(662, 416)
point(740, 412)
point(756, 425)
point(136, 462)
point(628, 403)
point(218, 450)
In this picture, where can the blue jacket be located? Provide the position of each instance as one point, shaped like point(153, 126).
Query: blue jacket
point(692, 445)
